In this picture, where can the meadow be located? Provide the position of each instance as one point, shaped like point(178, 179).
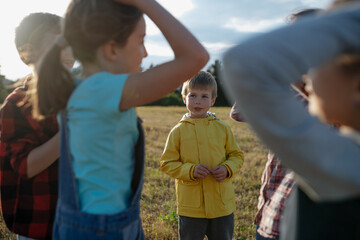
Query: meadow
point(158, 203)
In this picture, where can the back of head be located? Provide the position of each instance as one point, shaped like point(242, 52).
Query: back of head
point(201, 80)
point(31, 31)
point(88, 24)
point(338, 3)
point(91, 23)
point(349, 64)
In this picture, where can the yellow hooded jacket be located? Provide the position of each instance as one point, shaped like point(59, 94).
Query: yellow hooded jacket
point(208, 141)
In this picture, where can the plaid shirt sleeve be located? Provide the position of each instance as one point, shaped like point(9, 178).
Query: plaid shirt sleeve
point(28, 205)
point(20, 133)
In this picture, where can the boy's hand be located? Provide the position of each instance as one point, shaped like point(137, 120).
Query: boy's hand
point(201, 171)
point(219, 173)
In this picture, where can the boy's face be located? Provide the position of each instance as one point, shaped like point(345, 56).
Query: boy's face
point(198, 101)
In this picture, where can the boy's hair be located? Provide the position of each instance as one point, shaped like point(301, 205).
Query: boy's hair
point(201, 80)
point(302, 13)
point(87, 25)
point(32, 30)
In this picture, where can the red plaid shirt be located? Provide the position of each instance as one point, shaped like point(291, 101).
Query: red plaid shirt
point(28, 205)
point(276, 185)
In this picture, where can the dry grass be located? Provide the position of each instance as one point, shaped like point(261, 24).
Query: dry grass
point(158, 202)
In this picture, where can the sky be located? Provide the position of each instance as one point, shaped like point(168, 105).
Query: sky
point(217, 24)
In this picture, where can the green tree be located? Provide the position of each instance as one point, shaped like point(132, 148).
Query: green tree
point(3, 90)
point(215, 70)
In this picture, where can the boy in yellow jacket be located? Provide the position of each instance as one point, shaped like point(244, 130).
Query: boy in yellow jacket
point(202, 155)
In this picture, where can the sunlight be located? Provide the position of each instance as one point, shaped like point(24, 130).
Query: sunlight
point(12, 12)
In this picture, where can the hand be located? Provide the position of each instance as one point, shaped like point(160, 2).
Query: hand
point(201, 171)
point(219, 173)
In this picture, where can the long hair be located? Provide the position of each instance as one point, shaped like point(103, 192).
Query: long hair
point(88, 24)
point(31, 32)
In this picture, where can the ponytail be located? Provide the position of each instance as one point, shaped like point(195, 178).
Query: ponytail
point(53, 84)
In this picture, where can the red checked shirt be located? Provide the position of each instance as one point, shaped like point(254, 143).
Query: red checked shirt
point(28, 205)
point(276, 185)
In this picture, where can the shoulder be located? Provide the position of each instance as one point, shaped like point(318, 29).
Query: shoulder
point(219, 122)
point(14, 103)
point(15, 96)
point(177, 127)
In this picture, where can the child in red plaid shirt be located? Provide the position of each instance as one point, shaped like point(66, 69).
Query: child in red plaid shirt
point(28, 148)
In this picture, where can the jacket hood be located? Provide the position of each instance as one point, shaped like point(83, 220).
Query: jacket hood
point(186, 118)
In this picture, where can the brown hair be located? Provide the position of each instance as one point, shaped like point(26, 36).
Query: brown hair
point(302, 13)
point(338, 3)
point(201, 80)
point(88, 24)
point(349, 64)
point(31, 31)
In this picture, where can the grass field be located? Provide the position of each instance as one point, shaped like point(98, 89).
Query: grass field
point(158, 204)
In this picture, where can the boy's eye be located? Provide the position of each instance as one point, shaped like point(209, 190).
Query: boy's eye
point(192, 95)
point(205, 96)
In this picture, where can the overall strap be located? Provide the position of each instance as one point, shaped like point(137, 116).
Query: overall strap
point(138, 176)
point(67, 184)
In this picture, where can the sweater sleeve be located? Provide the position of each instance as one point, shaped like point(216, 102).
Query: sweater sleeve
point(170, 162)
point(258, 74)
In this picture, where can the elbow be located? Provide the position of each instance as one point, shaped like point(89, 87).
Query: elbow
point(202, 58)
point(199, 60)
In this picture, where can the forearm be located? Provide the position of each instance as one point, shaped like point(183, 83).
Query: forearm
point(43, 156)
point(177, 170)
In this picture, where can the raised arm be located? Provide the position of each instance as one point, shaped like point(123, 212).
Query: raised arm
point(190, 57)
point(259, 72)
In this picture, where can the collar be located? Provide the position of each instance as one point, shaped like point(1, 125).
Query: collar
point(186, 118)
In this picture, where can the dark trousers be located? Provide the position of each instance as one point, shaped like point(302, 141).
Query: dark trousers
point(214, 228)
point(306, 219)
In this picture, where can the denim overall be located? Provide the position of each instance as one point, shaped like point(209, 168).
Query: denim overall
point(72, 223)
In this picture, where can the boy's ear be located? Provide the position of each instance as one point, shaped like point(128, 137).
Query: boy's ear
point(213, 101)
point(110, 50)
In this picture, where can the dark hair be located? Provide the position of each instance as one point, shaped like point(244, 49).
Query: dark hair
point(88, 24)
point(302, 13)
point(201, 80)
point(349, 63)
point(31, 31)
point(338, 3)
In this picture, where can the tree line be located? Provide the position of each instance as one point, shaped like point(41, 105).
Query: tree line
point(175, 98)
point(172, 99)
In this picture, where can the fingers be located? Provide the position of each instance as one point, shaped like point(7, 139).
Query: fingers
point(201, 171)
point(219, 173)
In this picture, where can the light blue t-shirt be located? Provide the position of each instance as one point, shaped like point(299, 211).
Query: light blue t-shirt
point(102, 141)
